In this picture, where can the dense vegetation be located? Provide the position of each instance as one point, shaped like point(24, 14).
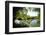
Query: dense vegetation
point(26, 20)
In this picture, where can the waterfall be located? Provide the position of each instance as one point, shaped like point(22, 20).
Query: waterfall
point(31, 12)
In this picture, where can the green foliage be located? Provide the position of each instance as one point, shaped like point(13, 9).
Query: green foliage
point(26, 20)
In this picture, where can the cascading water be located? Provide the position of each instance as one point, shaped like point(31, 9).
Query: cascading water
point(32, 13)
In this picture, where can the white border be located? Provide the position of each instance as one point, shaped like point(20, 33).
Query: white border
point(11, 29)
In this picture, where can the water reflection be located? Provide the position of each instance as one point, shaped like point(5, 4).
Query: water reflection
point(34, 21)
point(27, 22)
